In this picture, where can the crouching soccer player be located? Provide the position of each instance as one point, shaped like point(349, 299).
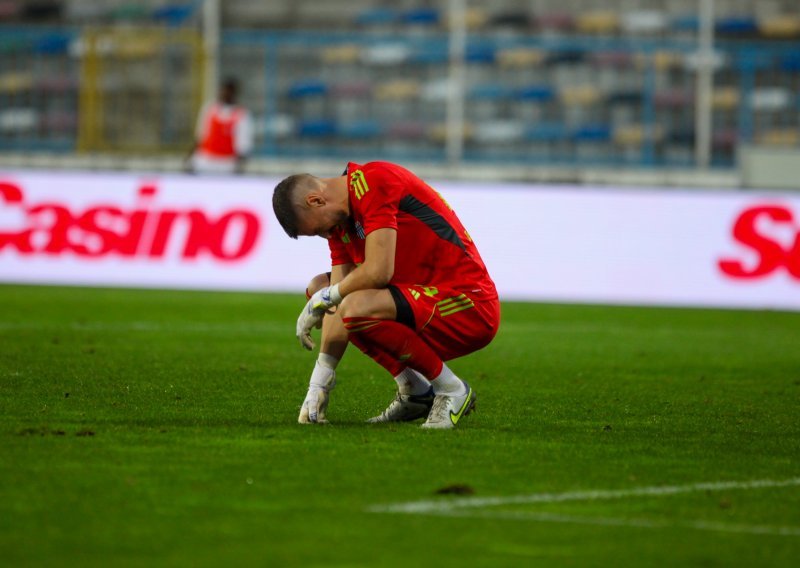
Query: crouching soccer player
point(407, 283)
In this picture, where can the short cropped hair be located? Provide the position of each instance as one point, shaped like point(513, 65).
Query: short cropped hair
point(285, 203)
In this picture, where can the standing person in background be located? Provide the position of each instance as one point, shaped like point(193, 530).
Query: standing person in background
point(224, 134)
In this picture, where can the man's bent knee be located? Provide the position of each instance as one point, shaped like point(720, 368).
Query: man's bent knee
point(377, 304)
point(317, 283)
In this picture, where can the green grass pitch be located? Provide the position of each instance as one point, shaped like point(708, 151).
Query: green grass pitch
point(142, 428)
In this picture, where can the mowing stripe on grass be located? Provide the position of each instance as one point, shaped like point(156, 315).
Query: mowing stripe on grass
point(449, 505)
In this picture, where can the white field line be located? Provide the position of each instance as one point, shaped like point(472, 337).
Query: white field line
point(439, 506)
point(620, 522)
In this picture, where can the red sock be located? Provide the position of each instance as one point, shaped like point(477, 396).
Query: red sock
point(393, 346)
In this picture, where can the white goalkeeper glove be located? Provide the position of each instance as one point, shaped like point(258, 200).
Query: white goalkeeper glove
point(315, 405)
point(314, 310)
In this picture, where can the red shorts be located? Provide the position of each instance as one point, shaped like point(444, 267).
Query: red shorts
point(452, 322)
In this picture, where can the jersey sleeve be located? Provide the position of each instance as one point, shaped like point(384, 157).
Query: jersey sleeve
point(339, 254)
point(377, 192)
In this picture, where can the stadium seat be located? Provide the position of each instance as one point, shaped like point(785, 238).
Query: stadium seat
point(421, 17)
point(480, 53)
point(581, 95)
point(673, 98)
point(520, 57)
point(476, 18)
point(361, 129)
point(53, 44)
point(536, 93)
point(790, 62)
point(351, 90)
point(319, 128)
point(386, 54)
point(380, 16)
point(546, 132)
point(429, 55)
point(601, 22)
point(637, 134)
point(175, 14)
point(276, 126)
point(9, 10)
point(771, 99)
point(15, 82)
point(779, 137)
point(435, 90)
point(612, 59)
point(438, 132)
point(499, 132)
point(780, 27)
point(555, 22)
point(407, 130)
point(489, 92)
point(725, 98)
point(592, 133)
point(737, 26)
point(398, 90)
point(18, 120)
point(724, 138)
point(687, 23)
point(307, 88)
point(342, 53)
point(644, 22)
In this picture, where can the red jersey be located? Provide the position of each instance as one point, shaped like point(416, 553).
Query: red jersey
point(219, 138)
point(433, 247)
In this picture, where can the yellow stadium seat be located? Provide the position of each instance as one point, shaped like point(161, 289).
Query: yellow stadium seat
point(725, 98)
point(600, 22)
point(582, 95)
point(779, 137)
point(398, 90)
point(15, 82)
point(780, 26)
point(637, 134)
point(520, 57)
point(346, 53)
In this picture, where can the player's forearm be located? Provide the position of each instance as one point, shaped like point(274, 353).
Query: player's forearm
point(365, 277)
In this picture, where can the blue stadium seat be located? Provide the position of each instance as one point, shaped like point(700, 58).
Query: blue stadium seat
point(737, 26)
point(360, 129)
point(430, 55)
point(538, 93)
point(319, 128)
point(547, 132)
point(686, 23)
point(174, 14)
point(421, 17)
point(791, 62)
point(52, 44)
point(307, 88)
point(592, 133)
point(377, 17)
point(480, 53)
point(489, 92)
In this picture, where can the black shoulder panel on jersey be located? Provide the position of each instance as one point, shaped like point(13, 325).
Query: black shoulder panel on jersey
point(438, 224)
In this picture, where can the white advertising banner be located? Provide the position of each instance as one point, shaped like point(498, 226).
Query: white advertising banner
point(546, 243)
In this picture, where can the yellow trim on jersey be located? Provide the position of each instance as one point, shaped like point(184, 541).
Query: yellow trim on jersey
point(359, 184)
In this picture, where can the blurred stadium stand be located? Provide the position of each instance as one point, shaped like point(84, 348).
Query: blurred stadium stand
point(571, 83)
